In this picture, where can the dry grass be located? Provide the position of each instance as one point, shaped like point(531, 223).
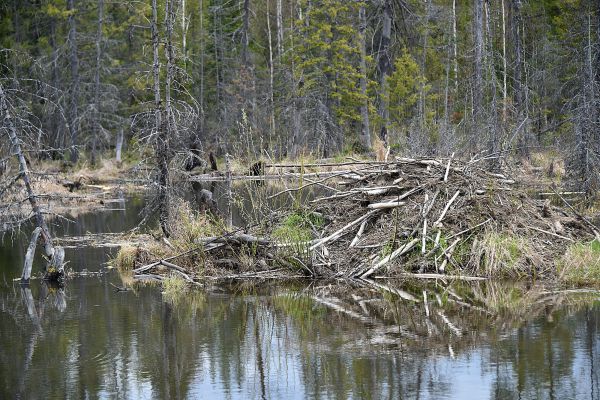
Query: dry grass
point(125, 258)
point(581, 264)
point(550, 162)
point(174, 288)
point(501, 255)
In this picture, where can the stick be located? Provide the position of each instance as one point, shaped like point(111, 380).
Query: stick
point(339, 232)
point(402, 250)
point(359, 233)
point(448, 168)
point(386, 205)
point(448, 254)
point(443, 214)
point(424, 236)
point(552, 234)
point(469, 229)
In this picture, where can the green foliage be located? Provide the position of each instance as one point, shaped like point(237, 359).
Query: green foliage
point(404, 88)
point(328, 54)
point(297, 227)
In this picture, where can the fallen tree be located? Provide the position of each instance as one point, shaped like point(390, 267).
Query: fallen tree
point(54, 254)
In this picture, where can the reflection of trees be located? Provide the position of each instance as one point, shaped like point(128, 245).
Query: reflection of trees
point(329, 341)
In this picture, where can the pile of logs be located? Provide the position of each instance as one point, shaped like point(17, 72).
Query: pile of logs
point(416, 217)
point(418, 212)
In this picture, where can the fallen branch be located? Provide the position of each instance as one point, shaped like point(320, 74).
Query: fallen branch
point(397, 253)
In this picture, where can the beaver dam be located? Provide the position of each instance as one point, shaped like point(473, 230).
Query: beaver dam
point(410, 217)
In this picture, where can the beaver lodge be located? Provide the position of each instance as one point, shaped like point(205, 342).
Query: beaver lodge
point(408, 217)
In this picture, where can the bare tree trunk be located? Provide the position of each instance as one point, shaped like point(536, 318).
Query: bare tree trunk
point(492, 119)
point(97, 127)
point(271, 73)
point(161, 121)
point(422, 104)
point(385, 67)
point(245, 32)
point(518, 77)
point(184, 29)
point(279, 12)
point(55, 255)
point(202, 45)
point(74, 61)
point(365, 134)
point(56, 120)
point(504, 67)
point(119, 145)
point(455, 46)
point(478, 73)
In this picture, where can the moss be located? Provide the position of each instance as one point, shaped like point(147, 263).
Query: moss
point(581, 264)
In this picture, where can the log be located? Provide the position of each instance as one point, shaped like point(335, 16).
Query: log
point(386, 205)
point(443, 214)
point(402, 250)
point(340, 231)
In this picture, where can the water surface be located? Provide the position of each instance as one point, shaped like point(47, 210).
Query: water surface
point(295, 340)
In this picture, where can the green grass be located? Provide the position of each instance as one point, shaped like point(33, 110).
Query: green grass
point(297, 227)
point(581, 264)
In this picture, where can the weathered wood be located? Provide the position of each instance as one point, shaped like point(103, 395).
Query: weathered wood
point(386, 205)
point(443, 213)
point(30, 254)
point(397, 253)
point(340, 231)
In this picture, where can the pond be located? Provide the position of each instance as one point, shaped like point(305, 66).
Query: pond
point(496, 340)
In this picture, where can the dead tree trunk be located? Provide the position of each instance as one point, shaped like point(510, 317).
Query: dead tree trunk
point(97, 128)
point(384, 66)
point(517, 23)
point(365, 134)
point(54, 254)
point(161, 150)
point(478, 74)
point(73, 113)
point(279, 29)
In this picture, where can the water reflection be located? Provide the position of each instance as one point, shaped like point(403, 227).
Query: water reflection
point(287, 342)
point(358, 339)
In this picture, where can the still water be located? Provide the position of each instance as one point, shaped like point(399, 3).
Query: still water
point(287, 341)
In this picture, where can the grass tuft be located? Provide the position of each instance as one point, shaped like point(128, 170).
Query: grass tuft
point(581, 264)
point(506, 256)
point(125, 258)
